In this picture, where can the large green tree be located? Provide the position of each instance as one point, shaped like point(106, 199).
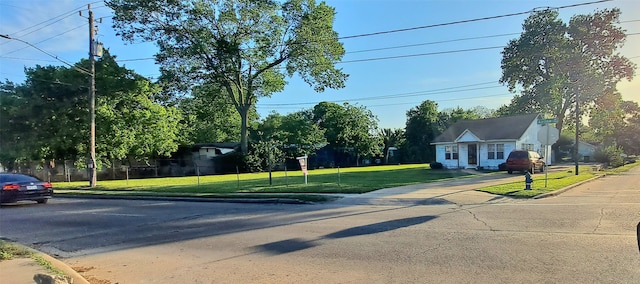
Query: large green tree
point(246, 46)
point(423, 125)
point(46, 118)
point(209, 117)
point(554, 65)
point(296, 133)
point(348, 128)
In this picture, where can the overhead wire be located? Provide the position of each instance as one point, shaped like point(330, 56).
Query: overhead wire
point(468, 21)
point(65, 14)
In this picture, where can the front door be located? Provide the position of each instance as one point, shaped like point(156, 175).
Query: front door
point(472, 158)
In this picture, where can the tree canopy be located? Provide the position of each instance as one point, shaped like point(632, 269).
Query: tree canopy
point(46, 118)
point(248, 47)
point(553, 64)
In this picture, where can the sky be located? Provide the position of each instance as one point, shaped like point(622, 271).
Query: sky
point(456, 65)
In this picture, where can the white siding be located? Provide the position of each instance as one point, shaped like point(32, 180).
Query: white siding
point(440, 157)
point(467, 136)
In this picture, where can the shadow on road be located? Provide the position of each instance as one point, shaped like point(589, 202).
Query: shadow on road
point(292, 245)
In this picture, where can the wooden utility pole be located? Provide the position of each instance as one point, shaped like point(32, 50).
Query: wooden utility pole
point(92, 104)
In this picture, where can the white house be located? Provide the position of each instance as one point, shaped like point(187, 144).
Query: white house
point(487, 142)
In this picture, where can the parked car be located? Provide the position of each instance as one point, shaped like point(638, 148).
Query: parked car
point(19, 187)
point(525, 161)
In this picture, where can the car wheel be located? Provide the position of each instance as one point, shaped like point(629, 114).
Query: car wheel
point(510, 171)
point(542, 168)
point(42, 201)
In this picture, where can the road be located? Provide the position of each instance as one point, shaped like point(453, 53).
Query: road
point(436, 233)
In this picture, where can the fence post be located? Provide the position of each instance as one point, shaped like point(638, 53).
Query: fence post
point(286, 176)
point(198, 173)
point(238, 176)
point(127, 174)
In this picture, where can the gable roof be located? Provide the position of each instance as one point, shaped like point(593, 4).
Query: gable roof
point(496, 128)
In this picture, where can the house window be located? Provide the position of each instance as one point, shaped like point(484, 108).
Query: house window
point(527, 147)
point(495, 151)
point(451, 152)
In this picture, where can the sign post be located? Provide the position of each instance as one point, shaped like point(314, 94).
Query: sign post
point(547, 135)
point(303, 165)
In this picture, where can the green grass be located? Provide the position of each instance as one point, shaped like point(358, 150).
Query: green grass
point(285, 185)
point(556, 180)
point(10, 251)
point(622, 168)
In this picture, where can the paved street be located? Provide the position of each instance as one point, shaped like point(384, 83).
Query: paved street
point(434, 233)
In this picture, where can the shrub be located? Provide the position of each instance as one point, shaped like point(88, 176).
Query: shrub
point(610, 155)
point(436, 165)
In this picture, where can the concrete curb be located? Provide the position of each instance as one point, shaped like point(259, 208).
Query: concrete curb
point(58, 264)
point(559, 191)
point(189, 199)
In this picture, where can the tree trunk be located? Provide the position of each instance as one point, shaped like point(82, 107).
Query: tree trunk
point(244, 134)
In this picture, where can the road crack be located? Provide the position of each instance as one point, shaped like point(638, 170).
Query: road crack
point(599, 221)
point(478, 219)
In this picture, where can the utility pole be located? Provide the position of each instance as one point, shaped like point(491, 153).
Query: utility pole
point(577, 145)
point(92, 101)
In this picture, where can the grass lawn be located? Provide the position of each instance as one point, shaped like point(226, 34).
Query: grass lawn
point(556, 180)
point(347, 180)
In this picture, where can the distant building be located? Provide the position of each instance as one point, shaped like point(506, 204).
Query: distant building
point(487, 142)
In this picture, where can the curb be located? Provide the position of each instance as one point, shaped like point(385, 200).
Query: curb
point(188, 199)
point(58, 264)
point(559, 191)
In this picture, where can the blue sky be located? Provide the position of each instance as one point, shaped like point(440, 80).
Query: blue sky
point(436, 67)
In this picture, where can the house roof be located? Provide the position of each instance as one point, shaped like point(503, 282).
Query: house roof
point(497, 128)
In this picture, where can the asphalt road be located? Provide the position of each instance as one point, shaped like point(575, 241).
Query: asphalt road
point(437, 233)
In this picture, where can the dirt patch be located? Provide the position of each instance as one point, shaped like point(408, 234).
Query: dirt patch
point(84, 269)
point(94, 280)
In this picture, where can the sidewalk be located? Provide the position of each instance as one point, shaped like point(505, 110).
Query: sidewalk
point(27, 270)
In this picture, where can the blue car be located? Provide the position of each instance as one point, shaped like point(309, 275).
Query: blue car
point(19, 187)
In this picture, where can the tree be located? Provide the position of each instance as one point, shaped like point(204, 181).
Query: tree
point(628, 136)
point(450, 116)
point(209, 117)
point(605, 117)
point(558, 65)
point(238, 44)
point(296, 133)
point(52, 123)
point(348, 128)
point(390, 138)
point(421, 128)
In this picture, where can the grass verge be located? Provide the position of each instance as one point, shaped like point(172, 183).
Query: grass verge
point(555, 181)
point(256, 185)
point(10, 251)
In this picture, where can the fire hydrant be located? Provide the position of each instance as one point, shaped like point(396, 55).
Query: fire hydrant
point(527, 181)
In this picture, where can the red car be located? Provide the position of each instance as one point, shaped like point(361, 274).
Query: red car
point(18, 187)
point(525, 161)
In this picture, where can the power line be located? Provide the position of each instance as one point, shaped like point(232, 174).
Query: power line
point(467, 21)
point(420, 54)
point(430, 43)
point(49, 38)
point(402, 95)
point(26, 59)
point(66, 14)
